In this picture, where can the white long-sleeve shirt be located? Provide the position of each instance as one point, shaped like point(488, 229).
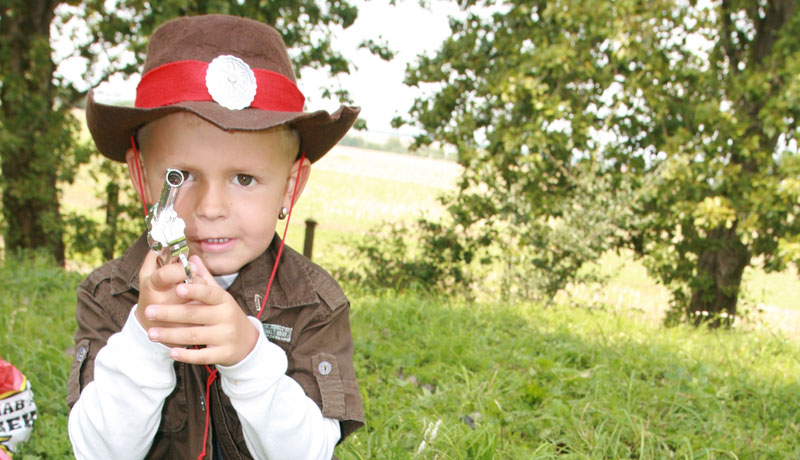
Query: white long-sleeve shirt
point(133, 376)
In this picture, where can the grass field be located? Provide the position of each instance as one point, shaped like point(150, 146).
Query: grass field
point(352, 190)
point(446, 379)
point(522, 381)
point(593, 377)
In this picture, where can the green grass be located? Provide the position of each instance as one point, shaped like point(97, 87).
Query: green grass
point(37, 319)
point(560, 382)
point(565, 383)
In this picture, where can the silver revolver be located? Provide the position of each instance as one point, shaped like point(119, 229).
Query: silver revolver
point(165, 229)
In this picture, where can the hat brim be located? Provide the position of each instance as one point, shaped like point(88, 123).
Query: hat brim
point(112, 126)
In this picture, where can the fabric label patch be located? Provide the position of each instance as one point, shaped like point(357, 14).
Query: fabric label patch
point(278, 332)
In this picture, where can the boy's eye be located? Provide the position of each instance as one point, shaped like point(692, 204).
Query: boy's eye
point(187, 175)
point(244, 179)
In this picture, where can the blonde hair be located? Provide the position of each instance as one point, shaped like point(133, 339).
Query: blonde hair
point(290, 140)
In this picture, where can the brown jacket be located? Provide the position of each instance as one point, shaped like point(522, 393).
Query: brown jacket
point(307, 316)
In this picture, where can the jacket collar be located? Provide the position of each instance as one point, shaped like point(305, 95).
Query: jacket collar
point(292, 286)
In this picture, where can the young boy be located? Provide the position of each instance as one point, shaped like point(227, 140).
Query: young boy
point(209, 368)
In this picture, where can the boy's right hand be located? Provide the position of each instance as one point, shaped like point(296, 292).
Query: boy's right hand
point(157, 286)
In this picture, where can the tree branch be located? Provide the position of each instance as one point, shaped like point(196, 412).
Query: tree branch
point(727, 43)
point(768, 28)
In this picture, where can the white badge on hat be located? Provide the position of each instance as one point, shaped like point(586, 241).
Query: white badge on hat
point(231, 82)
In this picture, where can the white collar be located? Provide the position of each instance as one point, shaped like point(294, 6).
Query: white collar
point(225, 281)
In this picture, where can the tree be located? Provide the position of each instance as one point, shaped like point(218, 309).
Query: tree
point(34, 137)
point(38, 132)
point(688, 108)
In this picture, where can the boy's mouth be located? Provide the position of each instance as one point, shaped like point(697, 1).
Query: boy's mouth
point(214, 244)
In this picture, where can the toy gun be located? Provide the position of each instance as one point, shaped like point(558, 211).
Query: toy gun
point(165, 229)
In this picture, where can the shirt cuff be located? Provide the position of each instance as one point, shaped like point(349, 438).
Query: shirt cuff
point(265, 364)
point(138, 355)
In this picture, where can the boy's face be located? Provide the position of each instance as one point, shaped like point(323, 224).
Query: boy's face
point(234, 189)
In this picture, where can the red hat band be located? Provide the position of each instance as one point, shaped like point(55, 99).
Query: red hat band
point(227, 80)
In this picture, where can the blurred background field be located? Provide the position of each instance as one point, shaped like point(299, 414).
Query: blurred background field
point(351, 190)
point(354, 190)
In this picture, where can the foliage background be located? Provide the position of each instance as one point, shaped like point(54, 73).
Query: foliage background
point(676, 121)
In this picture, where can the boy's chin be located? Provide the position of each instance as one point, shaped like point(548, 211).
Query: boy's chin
point(219, 266)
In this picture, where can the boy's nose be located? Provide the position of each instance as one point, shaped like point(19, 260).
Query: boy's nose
point(212, 202)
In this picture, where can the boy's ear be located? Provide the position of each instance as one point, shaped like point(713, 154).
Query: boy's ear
point(298, 173)
point(133, 174)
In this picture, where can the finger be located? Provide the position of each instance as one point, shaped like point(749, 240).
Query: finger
point(225, 355)
point(204, 293)
point(180, 315)
point(149, 265)
point(194, 355)
point(181, 336)
point(167, 277)
point(202, 270)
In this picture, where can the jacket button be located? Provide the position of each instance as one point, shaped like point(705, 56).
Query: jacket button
point(81, 355)
point(325, 368)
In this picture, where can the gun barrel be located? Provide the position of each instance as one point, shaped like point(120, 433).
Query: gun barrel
point(165, 229)
point(169, 192)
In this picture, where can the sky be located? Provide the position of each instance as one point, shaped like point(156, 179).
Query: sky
point(374, 85)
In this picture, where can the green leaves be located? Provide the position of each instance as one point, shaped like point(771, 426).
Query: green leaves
point(690, 106)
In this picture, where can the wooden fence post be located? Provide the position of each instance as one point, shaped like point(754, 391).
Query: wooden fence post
point(308, 245)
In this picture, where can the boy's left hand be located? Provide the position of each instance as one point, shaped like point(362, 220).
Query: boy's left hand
point(214, 319)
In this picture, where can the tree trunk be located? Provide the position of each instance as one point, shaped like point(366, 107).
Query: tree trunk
point(112, 211)
point(719, 275)
point(31, 149)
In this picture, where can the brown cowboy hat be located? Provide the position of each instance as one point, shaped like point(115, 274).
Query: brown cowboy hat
point(234, 72)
